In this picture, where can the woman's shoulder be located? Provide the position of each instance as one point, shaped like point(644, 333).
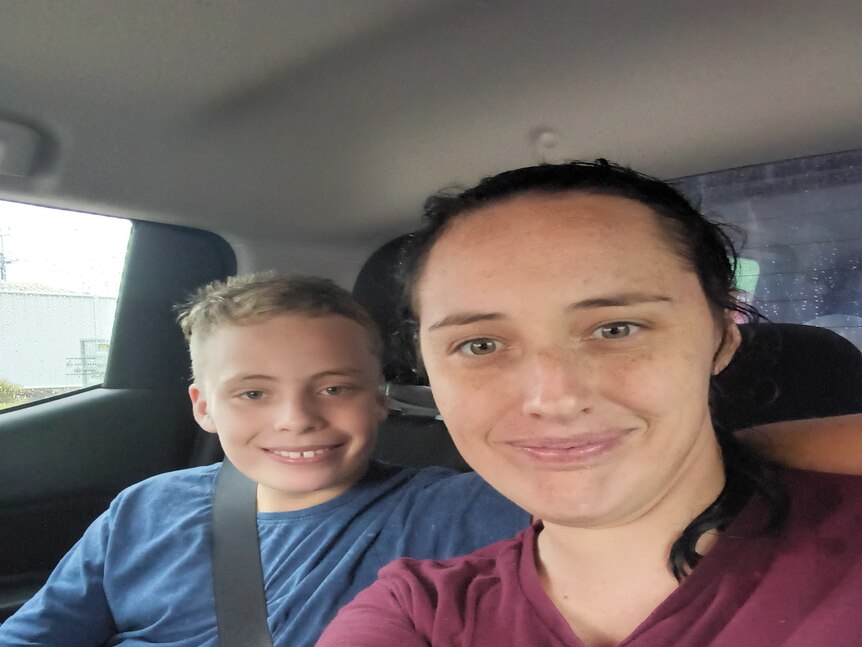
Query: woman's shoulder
point(799, 481)
point(820, 500)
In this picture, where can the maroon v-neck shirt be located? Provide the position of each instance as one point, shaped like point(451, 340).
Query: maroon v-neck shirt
point(800, 588)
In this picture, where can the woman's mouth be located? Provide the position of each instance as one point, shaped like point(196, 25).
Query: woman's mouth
point(578, 450)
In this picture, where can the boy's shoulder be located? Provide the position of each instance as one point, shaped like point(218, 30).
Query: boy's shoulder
point(420, 479)
point(186, 488)
point(426, 488)
point(202, 476)
point(444, 495)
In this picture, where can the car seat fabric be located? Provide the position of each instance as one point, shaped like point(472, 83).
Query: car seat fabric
point(780, 372)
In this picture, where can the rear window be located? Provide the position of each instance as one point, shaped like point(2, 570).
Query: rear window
point(801, 251)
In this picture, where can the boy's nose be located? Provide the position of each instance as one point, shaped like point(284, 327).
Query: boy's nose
point(298, 415)
point(554, 385)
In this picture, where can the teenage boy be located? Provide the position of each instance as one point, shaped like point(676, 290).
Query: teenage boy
point(287, 373)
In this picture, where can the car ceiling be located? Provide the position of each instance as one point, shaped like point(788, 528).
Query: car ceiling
point(317, 121)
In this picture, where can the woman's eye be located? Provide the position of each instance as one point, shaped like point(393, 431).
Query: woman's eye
point(616, 330)
point(478, 347)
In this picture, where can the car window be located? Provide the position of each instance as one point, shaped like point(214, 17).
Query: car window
point(60, 275)
point(802, 243)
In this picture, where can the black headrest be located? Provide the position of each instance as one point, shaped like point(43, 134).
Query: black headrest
point(781, 371)
point(788, 372)
point(378, 291)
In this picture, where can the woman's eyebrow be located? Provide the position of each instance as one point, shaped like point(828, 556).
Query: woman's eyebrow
point(625, 299)
point(616, 300)
point(464, 318)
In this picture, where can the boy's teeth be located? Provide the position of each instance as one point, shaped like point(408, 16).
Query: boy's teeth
point(311, 453)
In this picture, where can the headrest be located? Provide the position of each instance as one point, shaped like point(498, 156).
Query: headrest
point(788, 372)
point(378, 291)
point(780, 372)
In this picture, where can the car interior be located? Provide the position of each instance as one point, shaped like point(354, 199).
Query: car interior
point(304, 137)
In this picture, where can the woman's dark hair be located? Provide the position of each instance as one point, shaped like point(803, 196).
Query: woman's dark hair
point(707, 248)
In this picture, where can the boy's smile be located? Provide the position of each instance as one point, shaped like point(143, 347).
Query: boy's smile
point(303, 454)
point(295, 400)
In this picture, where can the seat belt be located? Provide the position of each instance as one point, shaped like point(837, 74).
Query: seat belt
point(240, 600)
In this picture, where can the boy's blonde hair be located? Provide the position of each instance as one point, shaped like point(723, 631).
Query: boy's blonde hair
point(253, 298)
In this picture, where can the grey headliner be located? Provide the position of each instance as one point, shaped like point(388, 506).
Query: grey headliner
point(322, 124)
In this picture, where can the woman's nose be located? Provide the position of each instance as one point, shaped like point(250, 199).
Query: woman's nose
point(555, 385)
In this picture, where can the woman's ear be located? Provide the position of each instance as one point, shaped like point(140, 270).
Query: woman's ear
point(382, 402)
point(416, 355)
point(728, 345)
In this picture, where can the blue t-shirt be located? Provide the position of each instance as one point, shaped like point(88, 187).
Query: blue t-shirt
point(142, 575)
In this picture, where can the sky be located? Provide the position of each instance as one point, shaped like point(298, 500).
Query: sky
point(67, 250)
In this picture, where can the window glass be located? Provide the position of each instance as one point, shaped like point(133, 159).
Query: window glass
point(802, 221)
point(60, 276)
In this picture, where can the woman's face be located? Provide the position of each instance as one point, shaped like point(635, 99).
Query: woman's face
point(569, 350)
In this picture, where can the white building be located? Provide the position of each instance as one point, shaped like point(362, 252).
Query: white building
point(51, 339)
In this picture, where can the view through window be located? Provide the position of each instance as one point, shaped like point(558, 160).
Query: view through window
point(802, 221)
point(60, 275)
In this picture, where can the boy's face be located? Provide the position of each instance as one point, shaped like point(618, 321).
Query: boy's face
point(296, 402)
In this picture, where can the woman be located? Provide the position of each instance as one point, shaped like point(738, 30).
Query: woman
point(570, 319)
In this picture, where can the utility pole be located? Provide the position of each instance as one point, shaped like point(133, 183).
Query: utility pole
point(3, 260)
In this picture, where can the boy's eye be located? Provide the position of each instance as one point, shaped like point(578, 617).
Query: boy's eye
point(337, 390)
point(252, 395)
point(616, 330)
point(478, 347)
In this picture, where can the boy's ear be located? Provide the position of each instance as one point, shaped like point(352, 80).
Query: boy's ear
point(200, 409)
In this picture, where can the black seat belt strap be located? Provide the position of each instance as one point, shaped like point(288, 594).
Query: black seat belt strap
point(240, 600)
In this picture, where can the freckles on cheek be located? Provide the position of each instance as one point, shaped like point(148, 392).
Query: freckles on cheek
point(467, 408)
point(648, 382)
point(454, 397)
